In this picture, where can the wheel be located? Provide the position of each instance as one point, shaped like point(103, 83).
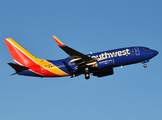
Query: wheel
point(87, 76)
point(144, 65)
point(73, 75)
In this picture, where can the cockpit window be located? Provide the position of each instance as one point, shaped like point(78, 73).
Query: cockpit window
point(146, 48)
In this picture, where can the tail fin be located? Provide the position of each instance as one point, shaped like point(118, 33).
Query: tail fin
point(18, 68)
point(19, 54)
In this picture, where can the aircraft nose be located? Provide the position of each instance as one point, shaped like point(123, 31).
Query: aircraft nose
point(154, 52)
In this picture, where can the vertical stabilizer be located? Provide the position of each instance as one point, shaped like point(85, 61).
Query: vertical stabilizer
point(19, 54)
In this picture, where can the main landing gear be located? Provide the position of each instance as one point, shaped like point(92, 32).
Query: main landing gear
point(87, 76)
point(73, 75)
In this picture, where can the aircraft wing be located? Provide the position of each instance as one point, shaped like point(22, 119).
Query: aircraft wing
point(77, 57)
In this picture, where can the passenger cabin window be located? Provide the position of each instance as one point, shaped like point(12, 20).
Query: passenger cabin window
point(146, 48)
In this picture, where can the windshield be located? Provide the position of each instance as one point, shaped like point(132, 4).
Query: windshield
point(146, 48)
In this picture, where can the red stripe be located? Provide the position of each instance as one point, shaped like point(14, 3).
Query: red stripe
point(40, 70)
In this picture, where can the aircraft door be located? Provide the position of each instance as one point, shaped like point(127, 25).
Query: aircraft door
point(137, 51)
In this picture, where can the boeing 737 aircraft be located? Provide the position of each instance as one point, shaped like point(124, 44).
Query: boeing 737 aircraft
point(98, 64)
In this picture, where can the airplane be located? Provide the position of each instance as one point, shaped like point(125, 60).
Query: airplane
point(98, 64)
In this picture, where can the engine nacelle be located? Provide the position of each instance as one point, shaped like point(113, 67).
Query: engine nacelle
point(104, 63)
point(104, 72)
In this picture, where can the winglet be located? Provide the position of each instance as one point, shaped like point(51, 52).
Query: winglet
point(58, 42)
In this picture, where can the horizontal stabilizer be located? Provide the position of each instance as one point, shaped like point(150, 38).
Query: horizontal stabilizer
point(18, 68)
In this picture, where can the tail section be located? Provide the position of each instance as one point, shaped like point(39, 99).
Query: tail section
point(19, 54)
point(30, 65)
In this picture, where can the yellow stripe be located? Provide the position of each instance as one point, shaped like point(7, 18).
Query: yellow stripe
point(52, 68)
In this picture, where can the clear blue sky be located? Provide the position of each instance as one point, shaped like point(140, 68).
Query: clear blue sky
point(132, 93)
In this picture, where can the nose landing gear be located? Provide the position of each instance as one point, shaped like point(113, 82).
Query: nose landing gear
point(144, 65)
point(143, 62)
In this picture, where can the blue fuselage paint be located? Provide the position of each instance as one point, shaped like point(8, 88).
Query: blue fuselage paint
point(116, 57)
point(120, 57)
